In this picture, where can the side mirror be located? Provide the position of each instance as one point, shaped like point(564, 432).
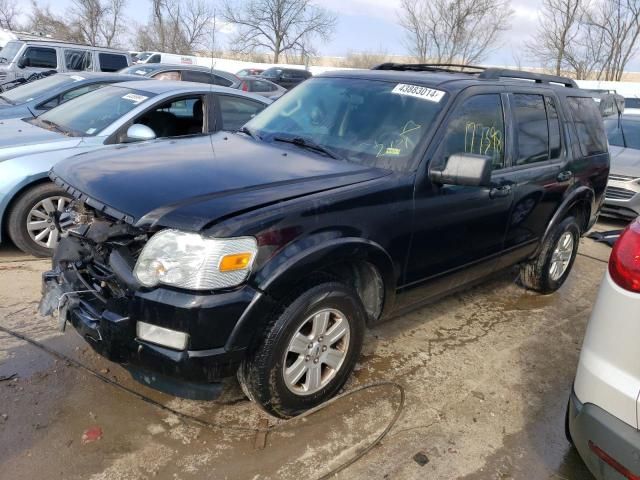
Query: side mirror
point(139, 133)
point(464, 169)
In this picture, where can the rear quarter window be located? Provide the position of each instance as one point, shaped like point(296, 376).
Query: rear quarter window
point(112, 62)
point(588, 124)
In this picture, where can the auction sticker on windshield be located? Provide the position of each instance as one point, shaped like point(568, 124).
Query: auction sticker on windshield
point(135, 98)
point(419, 92)
point(76, 78)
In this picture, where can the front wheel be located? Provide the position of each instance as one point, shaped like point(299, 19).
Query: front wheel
point(307, 352)
point(30, 220)
point(549, 270)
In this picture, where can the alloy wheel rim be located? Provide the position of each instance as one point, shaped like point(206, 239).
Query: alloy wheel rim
point(561, 256)
point(316, 352)
point(40, 225)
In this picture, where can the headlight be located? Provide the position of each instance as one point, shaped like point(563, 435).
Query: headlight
point(194, 262)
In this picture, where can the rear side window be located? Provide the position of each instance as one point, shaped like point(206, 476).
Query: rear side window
point(39, 57)
point(589, 126)
point(224, 82)
point(195, 76)
point(112, 62)
point(154, 58)
point(78, 60)
point(236, 111)
point(531, 129)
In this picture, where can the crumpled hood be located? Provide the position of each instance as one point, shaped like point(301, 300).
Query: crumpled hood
point(625, 161)
point(18, 138)
point(192, 182)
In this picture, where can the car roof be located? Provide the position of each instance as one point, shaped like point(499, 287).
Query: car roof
point(176, 86)
point(179, 66)
point(450, 81)
point(28, 38)
point(103, 75)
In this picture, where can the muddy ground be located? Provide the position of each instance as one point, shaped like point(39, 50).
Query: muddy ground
point(487, 375)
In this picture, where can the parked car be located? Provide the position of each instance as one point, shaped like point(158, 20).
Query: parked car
point(622, 199)
point(286, 77)
point(32, 99)
point(122, 113)
point(188, 73)
point(602, 419)
point(356, 196)
point(632, 105)
point(29, 54)
point(249, 72)
point(260, 86)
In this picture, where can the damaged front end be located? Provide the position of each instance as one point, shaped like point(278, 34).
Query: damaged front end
point(92, 280)
point(92, 286)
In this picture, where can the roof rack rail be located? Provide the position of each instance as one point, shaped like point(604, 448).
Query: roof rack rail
point(488, 73)
point(430, 67)
point(498, 73)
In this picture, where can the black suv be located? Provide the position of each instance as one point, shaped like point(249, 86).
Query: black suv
point(355, 197)
point(286, 77)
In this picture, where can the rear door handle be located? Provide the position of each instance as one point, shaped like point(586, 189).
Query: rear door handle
point(503, 191)
point(565, 176)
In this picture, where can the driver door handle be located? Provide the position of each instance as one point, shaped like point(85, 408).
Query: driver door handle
point(497, 192)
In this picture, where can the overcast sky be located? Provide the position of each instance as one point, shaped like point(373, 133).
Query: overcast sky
point(372, 25)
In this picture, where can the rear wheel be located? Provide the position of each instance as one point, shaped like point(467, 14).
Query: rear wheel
point(549, 270)
point(30, 221)
point(308, 351)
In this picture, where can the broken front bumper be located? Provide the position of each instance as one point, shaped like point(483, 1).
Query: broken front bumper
point(110, 328)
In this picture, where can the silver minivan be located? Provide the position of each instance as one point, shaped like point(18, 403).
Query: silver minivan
point(27, 55)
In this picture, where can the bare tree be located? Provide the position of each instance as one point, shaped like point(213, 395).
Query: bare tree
point(44, 22)
point(617, 25)
point(278, 26)
point(100, 21)
point(113, 27)
point(447, 31)
point(9, 14)
point(559, 27)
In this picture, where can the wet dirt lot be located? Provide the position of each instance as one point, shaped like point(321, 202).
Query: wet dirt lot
point(487, 374)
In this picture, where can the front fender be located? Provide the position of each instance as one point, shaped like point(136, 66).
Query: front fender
point(283, 273)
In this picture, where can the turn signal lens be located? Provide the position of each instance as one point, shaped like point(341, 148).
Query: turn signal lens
point(624, 264)
point(237, 261)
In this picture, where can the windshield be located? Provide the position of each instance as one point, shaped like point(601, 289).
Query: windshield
point(141, 70)
point(625, 133)
point(29, 91)
point(9, 51)
point(91, 113)
point(365, 121)
point(143, 56)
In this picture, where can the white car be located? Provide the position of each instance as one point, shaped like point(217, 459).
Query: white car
point(602, 419)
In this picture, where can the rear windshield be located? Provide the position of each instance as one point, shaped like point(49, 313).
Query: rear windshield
point(91, 113)
point(624, 132)
point(365, 121)
point(31, 90)
point(8, 53)
point(632, 103)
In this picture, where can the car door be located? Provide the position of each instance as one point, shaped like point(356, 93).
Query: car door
point(456, 227)
point(540, 173)
point(37, 59)
point(234, 111)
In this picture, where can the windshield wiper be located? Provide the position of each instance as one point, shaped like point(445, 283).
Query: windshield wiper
point(309, 145)
point(250, 133)
point(54, 126)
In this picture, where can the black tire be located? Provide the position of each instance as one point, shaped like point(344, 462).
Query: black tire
point(535, 274)
point(261, 374)
point(17, 218)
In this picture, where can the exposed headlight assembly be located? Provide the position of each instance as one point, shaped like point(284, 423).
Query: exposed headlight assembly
point(191, 261)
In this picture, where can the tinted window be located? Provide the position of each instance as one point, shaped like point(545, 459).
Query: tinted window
point(555, 144)
point(260, 86)
point(154, 58)
point(141, 70)
point(172, 75)
point(89, 114)
point(476, 126)
point(78, 60)
point(365, 121)
point(628, 102)
point(40, 57)
point(76, 92)
point(195, 76)
point(29, 91)
point(589, 126)
point(111, 62)
point(531, 129)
